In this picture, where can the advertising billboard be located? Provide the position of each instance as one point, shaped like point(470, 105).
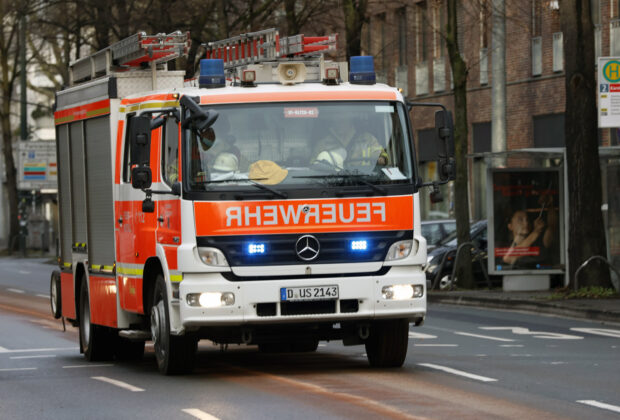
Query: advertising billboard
point(525, 226)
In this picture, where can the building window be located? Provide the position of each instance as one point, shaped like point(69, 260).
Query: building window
point(536, 38)
point(402, 36)
point(420, 25)
point(549, 130)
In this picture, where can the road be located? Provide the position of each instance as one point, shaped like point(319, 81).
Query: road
point(463, 363)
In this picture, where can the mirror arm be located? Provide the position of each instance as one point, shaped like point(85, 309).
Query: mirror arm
point(149, 192)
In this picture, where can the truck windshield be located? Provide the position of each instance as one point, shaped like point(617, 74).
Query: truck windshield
point(300, 144)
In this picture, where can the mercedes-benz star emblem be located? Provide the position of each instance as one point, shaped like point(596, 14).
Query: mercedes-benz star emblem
point(307, 247)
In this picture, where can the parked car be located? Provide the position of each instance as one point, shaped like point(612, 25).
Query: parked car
point(436, 230)
point(446, 249)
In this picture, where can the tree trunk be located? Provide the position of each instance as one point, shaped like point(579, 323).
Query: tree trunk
point(10, 172)
point(354, 18)
point(586, 235)
point(461, 195)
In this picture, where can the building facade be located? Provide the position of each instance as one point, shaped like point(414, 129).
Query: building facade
point(406, 38)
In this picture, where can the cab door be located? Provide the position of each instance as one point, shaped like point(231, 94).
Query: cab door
point(168, 206)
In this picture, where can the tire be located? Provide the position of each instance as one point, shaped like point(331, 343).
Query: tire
point(55, 295)
point(306, 346)
point(386, 346)
point(127, 350)
point(174, 354)
point(95, 340)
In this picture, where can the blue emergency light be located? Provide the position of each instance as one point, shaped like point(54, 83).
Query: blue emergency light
point(359, 245)
point(362, 70)
point(256, 248)
point(212, 73)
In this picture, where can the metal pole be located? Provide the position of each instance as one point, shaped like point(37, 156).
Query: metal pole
point(498, 87)
point(22, 79)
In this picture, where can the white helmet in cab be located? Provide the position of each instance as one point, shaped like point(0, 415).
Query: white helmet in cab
point(334, 157)
point(226, 162)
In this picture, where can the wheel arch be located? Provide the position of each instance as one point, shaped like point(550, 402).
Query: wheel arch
point(152, 268)
point(80, 272)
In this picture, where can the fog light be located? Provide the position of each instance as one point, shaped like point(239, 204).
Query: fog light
point(211, 299)
point(402, 291)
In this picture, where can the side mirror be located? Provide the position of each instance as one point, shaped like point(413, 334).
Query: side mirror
point(148, 205)
point(445, 139)
point(140, 140)
point(198, 119)
point(141, 177)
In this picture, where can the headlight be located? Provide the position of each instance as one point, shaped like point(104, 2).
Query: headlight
point(213, 257)
point(211, 299)
point(402, 249)
point(402, 291)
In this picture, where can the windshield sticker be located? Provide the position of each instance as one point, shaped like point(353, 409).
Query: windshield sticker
point(384, 109)
point(301, 112)
point(393, 173)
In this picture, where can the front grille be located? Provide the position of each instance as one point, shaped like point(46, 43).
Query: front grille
point(280, 249)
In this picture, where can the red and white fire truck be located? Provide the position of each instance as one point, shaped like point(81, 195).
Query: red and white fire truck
point(272, 201)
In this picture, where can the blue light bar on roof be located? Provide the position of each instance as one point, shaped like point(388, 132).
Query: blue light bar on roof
point(362, 70)
point(212, 73)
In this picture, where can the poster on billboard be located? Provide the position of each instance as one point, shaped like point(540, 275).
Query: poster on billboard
point(525, 234)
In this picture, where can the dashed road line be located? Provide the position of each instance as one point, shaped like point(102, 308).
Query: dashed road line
point(42, 356)
point(458, 372)
point(118, 383)
point(599, 331)
point(486, 337)
point(599, 404)
point(16, 291)
point(199, 414)
point(23, 272)
point(3, 350)
point(421, 336)
point(16, 369)
point(511, 345)
point(43, 296)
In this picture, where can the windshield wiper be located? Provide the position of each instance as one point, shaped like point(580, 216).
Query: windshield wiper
point(252, 181)
point(357, 177)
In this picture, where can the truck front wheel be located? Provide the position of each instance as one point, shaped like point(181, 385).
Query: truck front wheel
point(174, 354)
point(386, 346)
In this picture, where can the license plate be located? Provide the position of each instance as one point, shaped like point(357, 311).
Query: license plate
point(308, 293)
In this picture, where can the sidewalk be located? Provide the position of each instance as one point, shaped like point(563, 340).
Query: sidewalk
point(606, 310)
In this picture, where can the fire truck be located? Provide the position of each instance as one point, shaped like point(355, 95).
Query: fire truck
point(271, 201)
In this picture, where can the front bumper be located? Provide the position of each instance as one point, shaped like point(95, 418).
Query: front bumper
point(250, 295)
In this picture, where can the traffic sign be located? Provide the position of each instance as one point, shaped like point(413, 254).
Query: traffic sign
point(608, 92)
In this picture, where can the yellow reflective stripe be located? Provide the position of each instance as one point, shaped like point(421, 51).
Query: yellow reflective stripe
point(176, 278)
point(67, 264)
point(149, 105)
point(130, 271)
point(108, 267)
point(96, 266)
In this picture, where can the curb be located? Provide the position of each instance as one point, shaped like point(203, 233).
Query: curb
point(528, 306)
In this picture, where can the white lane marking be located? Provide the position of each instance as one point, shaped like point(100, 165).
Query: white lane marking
point(558, 363)
point(199, 414)
point(599, 404)
point(511, 345)
point(421, 336)
point(458, 372)
point(520, 355)
point(15, 369)
point(322, 345)
point(535, 334)
point(486, 337)
point(84, 366)
point(43, 296)
point(16, 291)
point(436, 345)
point(117, 383)
point(42, 356)
point(3, 350)
point(599, 331)
point(23, 272)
